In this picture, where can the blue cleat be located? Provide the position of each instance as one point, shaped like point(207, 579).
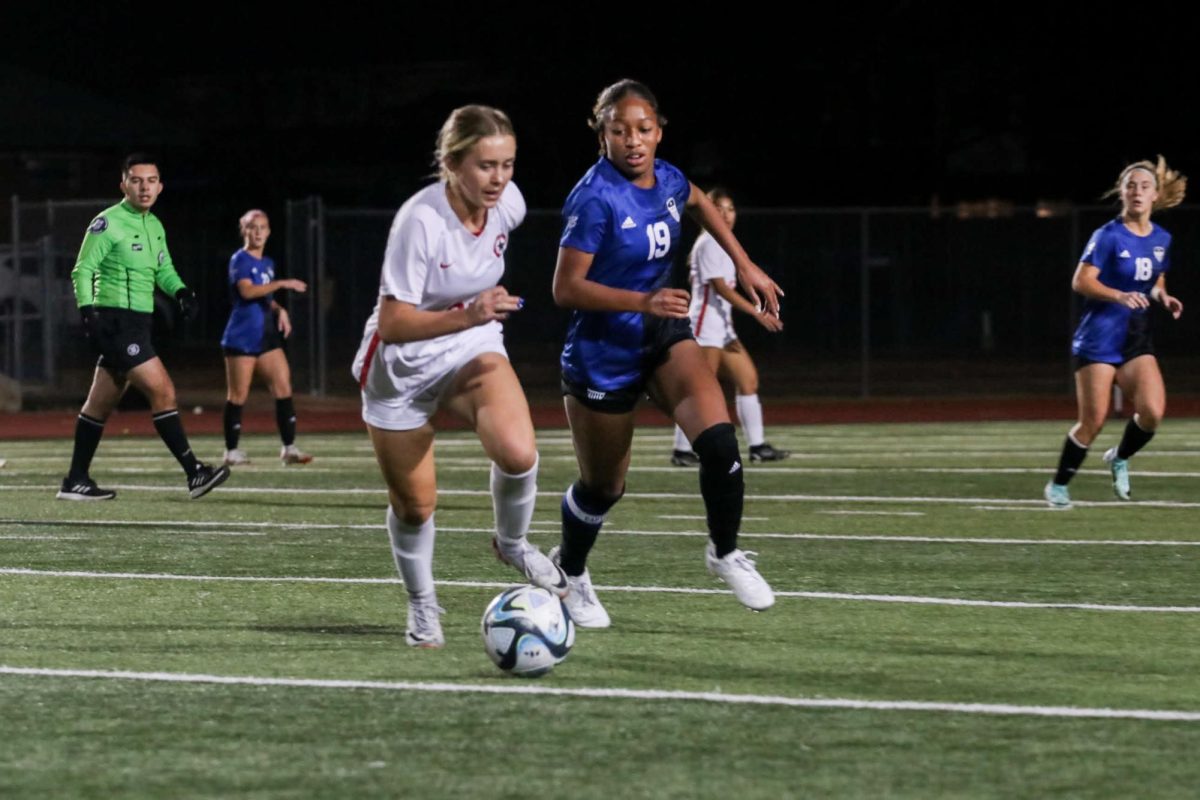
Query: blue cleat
point(1057, 495)
point(1120, 473)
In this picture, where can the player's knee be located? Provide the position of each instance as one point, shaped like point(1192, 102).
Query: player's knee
point(748, 384)
point(720, 460)
point(1088, 428)
point(411, 510)
point(237, 396)
point(517, 459)
point(1150, 417)
point(281, 388)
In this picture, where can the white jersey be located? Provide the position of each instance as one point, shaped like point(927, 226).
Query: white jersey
point(435, 263)
point(711, 314)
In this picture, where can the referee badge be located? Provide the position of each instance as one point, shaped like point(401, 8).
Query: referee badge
point(99, 225)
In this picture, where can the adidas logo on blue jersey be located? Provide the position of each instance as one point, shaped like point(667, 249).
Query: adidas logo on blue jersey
point(628, 223)
point(1124, 254)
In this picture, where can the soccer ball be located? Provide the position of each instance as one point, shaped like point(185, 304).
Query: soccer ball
point(526, 631)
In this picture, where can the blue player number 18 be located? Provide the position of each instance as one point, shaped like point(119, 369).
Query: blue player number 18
point(660, 240)
point(1145, 268)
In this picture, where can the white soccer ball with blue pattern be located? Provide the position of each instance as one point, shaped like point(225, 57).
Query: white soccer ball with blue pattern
point(527, 630)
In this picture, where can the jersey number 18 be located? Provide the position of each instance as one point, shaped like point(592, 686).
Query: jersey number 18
point(1145, 268)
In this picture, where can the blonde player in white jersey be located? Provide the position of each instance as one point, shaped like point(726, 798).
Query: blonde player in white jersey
point(714, 298)
point(435, 340)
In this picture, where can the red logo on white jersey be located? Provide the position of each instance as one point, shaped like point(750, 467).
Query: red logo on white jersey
point(501, 245)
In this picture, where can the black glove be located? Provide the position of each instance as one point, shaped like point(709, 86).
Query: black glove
point(91, 321)
point(189, 306)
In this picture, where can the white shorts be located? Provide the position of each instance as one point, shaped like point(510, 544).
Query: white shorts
point(398, 399)
point(713, 330)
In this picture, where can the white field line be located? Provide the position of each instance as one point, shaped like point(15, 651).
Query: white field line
point(43, 538)
point(842, 537)
point(702, 517)
point(792, 498)
point(526, 689)
point(843, 596)
point(878, 513)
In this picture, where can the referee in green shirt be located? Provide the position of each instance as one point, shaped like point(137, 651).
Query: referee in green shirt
point(123, 258)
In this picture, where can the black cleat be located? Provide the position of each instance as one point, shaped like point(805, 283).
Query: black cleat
point(764, 452)
point(206, 479)
point(684, 458)
point(84, 489)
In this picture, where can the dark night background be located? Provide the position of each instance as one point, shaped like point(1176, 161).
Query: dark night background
point(905, 104)
point(865, 105)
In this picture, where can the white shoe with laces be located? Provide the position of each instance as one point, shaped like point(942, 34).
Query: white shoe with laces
point(236, 457)
point(581, 601)
point(424, 623)
point(530, 562)
point(739, 572)
point(290, 454)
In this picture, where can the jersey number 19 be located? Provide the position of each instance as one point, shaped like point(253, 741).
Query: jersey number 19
point(660, 240)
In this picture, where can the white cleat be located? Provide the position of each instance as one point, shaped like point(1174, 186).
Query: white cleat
point(424, 623)
point(739, 572)
point(529, 561)
point(290, 454)
point(236, 457)
point(581, 601)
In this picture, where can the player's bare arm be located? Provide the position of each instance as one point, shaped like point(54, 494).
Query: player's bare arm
point(572, 289)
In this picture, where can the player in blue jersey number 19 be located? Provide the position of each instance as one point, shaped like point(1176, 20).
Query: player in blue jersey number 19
point(629, 334)
point(1121, 273)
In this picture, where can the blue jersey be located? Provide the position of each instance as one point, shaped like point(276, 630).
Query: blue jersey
point(249, 318)
point(1127, 263)
point(632, 233)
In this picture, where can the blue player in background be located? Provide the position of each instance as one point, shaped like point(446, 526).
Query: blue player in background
point(1122, 270)
point(629, 333)
point(253, 340)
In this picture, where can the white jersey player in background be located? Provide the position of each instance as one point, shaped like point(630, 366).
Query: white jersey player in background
point(714, 298)
point(435, 340)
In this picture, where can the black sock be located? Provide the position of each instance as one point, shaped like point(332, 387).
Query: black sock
point(1072, 456)
point(285, 419)
point(722, 485)
point(582, 515)
point(233, 424)
point(171, 430)
point(1133, 439)
point(87, 438)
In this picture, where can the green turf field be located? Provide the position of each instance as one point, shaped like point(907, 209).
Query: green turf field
point(938, 631)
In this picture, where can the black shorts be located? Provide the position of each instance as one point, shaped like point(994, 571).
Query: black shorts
point(660, 336)
point(123, 338)
point(271, 339)
point(1138, 342)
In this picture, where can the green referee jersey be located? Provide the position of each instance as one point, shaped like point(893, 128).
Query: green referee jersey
point(123, 257)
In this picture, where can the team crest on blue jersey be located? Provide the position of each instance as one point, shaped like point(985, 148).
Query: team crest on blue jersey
point(671, 209)
point(99, 225)
point(1160, 253)
point(501, 245)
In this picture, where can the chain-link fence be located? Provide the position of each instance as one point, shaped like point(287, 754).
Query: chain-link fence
point(879, 301)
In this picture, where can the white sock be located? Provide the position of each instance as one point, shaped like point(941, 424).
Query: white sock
point(412, 550)
point(749, 412)
point(513, 497)
point(681, 440)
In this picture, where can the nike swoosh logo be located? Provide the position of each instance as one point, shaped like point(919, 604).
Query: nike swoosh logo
point(444, 266)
